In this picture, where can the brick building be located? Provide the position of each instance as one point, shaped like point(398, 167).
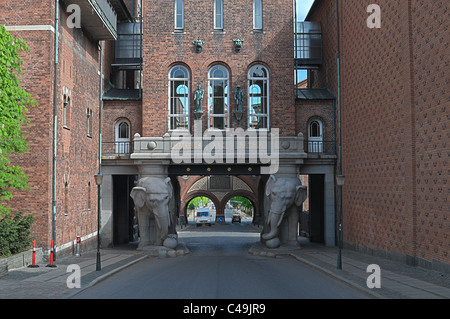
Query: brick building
point(240, 43)
point(62, 73)
point(137, 64)
point(394, 102)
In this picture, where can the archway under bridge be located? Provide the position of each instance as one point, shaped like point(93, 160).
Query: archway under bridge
point(219, 189)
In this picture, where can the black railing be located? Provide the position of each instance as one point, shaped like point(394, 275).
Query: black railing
point(320, 147)
point(117, 148)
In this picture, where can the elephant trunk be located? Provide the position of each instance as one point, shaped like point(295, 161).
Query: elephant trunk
point(274, 222)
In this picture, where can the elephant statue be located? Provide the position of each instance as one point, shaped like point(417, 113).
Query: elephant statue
point(157, 212)
point(283, 198)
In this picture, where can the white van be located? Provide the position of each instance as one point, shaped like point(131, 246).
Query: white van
point(203, 217)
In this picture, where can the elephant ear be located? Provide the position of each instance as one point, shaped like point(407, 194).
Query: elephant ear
point(168, 182)
point(269, 185)
point(138, 196)
point(300, 194)
point(172, 202)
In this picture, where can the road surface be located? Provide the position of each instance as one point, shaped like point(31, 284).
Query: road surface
point(219, 267)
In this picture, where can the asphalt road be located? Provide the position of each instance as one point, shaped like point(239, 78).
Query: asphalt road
point(219, 267)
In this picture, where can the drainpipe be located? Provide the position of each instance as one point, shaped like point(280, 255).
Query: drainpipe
point(339, 164)
point(55, 122)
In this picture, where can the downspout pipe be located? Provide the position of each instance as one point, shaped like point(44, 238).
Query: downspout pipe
point(339, 163)
point(55, 122)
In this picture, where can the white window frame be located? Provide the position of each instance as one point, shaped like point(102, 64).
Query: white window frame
point(315, 143)
point(218, 15)
point(226, 97)
point(265, 96)
point(187, 97)
point(122, 144)
point(179, 11)
point(257, 16)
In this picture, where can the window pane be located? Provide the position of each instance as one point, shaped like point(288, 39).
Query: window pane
point(218, 14)
point(179, 98)
point(124, 130)
point(218, 98)
point(179, 14)
point(257, 14)
point(258, 122)
point(258, 94)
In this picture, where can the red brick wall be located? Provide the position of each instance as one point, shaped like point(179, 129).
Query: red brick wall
point(430, 82)
point(77, 153)
point(272, 47)
point(394, 123)
point(113, 111)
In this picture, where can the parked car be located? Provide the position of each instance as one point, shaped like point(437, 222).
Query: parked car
point(203, 217)
point(236, 218)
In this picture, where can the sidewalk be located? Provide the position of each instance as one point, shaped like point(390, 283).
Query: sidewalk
point(51, 283)
point(398, 281)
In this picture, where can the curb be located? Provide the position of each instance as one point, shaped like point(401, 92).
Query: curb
point(371, 294)
point(104, 276)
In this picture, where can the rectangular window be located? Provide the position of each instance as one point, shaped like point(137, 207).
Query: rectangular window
point(218, 14)
point(179, 14)
point(89, 122)
point(66, 111)
point(257, 14)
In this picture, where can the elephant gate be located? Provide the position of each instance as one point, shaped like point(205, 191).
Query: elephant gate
point(296, 198)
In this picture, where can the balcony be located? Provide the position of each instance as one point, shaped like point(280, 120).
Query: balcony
point(117, 150)
point(308, 45)
point(318, 148)
point(128, 53)
point(98, 17)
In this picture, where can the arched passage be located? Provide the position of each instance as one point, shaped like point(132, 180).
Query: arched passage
point(230, 187)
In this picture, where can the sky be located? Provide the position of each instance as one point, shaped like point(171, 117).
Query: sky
point(303, 7)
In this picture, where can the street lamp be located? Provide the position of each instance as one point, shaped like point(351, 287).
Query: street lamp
point(98, 180)
point(340, 182)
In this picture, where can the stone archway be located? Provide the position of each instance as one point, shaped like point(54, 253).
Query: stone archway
point(219, 189)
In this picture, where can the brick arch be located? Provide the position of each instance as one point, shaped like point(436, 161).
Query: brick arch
point(192, 195)
point(188, 195)
point(240, 192)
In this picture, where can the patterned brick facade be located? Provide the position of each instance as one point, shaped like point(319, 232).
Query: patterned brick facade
point(394, 125)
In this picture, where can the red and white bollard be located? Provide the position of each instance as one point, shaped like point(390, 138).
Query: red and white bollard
point(78, 246)
point(33, 260)
point(51, 255)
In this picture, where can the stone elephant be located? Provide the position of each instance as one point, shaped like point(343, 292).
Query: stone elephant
point(283, 198)
point(156, 207)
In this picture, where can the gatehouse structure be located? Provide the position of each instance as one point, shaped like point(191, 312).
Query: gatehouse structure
point(204, 95)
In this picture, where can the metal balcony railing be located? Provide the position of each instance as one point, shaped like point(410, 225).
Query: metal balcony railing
point(308, 44)
point(98, 17)
point(320, 147)
point(117, 148)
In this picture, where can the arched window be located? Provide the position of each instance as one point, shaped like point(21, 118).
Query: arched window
point(258, 97)
point(179, 14)
point(122, 137)
point(179, 88)
point(315, 136)
point(218, 95)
